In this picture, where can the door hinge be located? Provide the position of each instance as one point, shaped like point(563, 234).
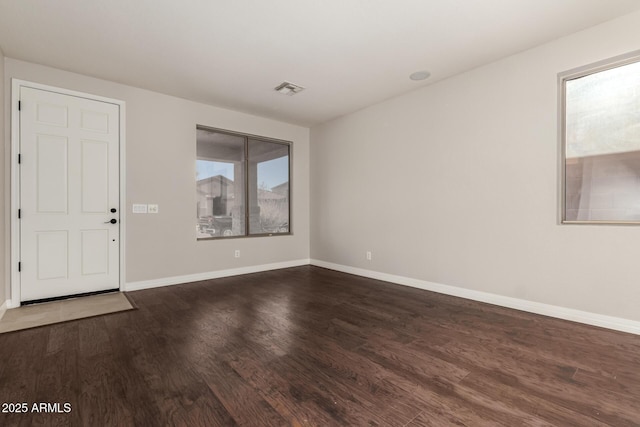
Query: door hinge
point(19, 158)
point(19, 213)
point(19, 105)
point(19, 266)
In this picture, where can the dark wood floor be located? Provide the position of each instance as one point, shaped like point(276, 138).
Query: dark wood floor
point(309, 346)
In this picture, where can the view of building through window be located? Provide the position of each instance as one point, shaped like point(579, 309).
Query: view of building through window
point(242, 185)
point(602, 145)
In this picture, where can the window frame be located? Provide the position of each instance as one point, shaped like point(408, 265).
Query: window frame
point(576, 73)
point(247, 137)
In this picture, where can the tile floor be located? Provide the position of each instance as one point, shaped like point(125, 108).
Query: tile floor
point(47, 313)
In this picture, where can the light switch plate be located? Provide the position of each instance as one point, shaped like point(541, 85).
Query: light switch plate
point(152, 208)
point(138, 208)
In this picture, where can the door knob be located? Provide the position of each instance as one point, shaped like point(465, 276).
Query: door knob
point(113, 221)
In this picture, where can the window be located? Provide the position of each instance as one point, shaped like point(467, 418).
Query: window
point(601, 143)
point(242, 185)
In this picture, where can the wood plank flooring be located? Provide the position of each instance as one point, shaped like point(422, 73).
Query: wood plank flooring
point(310, 346)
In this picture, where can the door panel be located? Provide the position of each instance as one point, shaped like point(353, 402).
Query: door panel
point(52, 255)
point(69, 182)
point(95, 252)
point(94, 121)
point(51, 174)
point(48, 114)
point(95, 174)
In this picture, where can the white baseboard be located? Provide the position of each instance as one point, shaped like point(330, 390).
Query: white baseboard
point(156, 283)
point(594, 319)
point(3, 308)
point(12, 304)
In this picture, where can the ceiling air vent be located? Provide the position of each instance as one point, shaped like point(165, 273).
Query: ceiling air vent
point(287, 88)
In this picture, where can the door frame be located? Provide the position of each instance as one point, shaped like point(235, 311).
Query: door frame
point(16, 84)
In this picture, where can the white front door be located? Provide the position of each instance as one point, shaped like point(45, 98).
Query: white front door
point(69, 194)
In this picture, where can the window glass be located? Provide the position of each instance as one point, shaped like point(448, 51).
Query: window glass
point(602, 146)
point(242, 185)
point(220, 188)
point(268, 187)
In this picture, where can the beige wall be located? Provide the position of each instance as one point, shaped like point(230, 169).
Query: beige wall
point(160, 168)
point(456, 183)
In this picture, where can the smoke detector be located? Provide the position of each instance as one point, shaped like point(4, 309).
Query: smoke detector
point(288, 88)
point(420, 75)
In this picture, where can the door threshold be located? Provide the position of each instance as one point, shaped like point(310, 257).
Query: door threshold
point(85, 294)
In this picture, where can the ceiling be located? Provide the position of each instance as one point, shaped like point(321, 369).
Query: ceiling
point(348, 54)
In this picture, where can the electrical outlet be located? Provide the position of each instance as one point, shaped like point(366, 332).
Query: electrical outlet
point(368, 255)
point(237, 253)
point(152, 209)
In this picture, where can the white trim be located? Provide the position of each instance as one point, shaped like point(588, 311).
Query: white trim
point(14, 300)
point(123, 190)
point(3, 308)
point(156, 283)
point(16, 84)
point(594, 319)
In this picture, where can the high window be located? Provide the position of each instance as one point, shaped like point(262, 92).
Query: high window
point(242, 185)
point(601, 143)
